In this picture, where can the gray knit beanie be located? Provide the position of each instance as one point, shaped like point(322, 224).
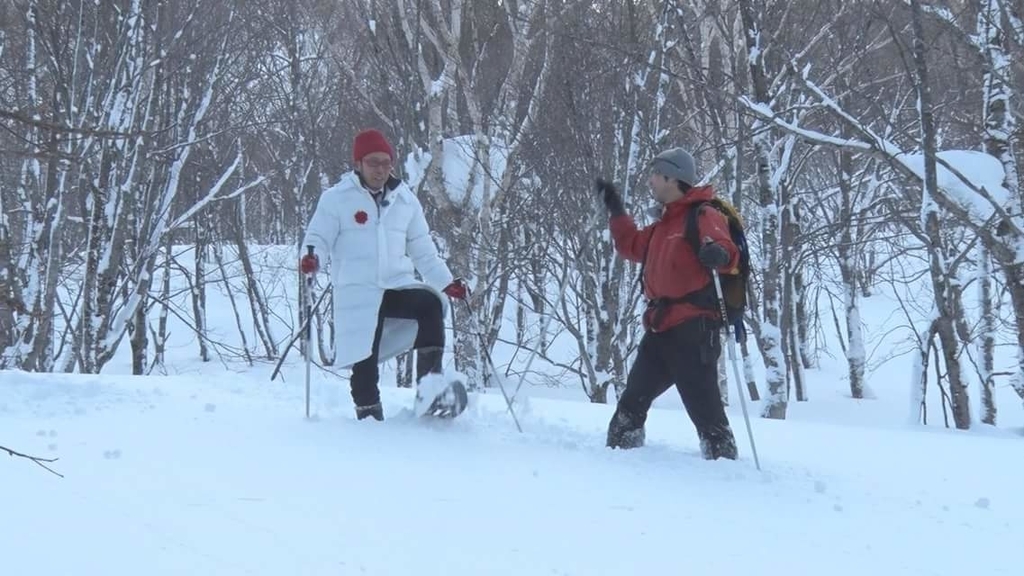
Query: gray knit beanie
point(676, 163)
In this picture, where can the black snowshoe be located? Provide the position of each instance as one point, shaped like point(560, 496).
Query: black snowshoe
point(441, 397)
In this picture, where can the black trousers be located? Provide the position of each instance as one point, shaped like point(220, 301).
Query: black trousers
point(685, 356)
point(417, 304)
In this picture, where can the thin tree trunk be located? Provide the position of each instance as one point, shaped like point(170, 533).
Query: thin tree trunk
point(140, 341)
point(792, 342)
point(218, 255)
point(919, 377)
point(1000, 132)
point(856, 354)
point(404, 372)
point(161, 335)
point(199, 288)
point(770, 339)
point(989, 328)
point(257, 301)
point(748, 371)
point(946, 301)
point(803, 319)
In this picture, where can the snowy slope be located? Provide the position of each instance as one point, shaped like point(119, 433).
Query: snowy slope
point(222, 476)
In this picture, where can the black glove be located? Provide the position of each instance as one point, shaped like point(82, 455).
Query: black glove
point(713, 256)
point(612, 200)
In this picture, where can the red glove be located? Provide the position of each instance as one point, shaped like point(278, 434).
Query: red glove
point(309, 264)
point(457, 289)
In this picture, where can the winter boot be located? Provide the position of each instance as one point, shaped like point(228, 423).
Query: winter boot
point(375, 410)
point(624, 433)
point(719, 442)
point(429, 361)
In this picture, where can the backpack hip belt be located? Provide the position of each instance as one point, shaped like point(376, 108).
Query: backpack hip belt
point(703, 299)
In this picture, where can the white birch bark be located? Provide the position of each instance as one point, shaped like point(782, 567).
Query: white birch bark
point(1005, 241)
point(190, 115)
point(1000, 128)
point(946, 295)
point(770, 337)
point(987, 346)
point(856, 352)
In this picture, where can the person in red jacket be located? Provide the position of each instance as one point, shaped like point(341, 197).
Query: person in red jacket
point(681, 342)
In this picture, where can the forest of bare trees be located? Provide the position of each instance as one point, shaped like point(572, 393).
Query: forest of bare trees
point(842, 129)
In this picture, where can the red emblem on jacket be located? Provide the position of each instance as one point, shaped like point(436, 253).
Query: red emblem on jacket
point(361, 217)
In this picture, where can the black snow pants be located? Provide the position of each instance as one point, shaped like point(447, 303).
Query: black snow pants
point(686, 356)
point(417, 304)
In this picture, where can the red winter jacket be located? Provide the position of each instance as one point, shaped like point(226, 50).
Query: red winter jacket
point(672, 269)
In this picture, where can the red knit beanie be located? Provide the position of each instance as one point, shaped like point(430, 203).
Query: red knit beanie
point(370, 141)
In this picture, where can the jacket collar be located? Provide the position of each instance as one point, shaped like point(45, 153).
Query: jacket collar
point(394, 188)
point(389, 186)
point(693, 196)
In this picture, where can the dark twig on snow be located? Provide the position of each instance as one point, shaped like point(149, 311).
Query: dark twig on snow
point(36, 459)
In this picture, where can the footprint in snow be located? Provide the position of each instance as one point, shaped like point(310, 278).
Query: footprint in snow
point(112, 454)
point(210, 407)
point(982, 503)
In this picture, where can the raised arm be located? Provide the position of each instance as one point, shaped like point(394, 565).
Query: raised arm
point(630, 242)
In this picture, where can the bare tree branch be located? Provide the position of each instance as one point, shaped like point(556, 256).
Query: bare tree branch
point(39, 461)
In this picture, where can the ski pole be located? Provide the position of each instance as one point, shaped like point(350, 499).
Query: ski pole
point(735, 365)
point(487, 357)
point(309, 327)
point(295, 337)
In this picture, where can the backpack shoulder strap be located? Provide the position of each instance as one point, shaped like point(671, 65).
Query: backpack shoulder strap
point(692, 230)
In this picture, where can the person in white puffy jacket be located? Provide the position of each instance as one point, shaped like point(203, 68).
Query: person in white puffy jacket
point(372, 228)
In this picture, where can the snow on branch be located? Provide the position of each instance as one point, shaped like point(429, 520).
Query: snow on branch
point(39, 461)
point(813, 136)
point(970, 181)
point(211, 196)
point(35, 121)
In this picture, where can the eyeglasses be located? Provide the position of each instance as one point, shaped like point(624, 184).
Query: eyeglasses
point(370, 163)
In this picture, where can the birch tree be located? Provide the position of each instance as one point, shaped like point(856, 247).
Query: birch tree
point(35, 216)
point(770, 337)
point(1000, 128)
point(114, 80)
point(933, 202)
point(857, 192)
point(599, 310)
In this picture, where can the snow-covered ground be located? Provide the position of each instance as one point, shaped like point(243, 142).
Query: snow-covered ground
point(213, 469)
point(223, 475)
